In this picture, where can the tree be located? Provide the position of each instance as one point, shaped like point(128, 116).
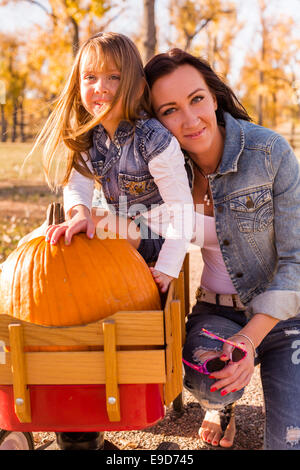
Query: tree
point(70, 14)
point(3, 122)
point(220, 36)
point(13, 74)
point(267, 78)
point(190, 17)
point(34, 71)
point(150, 29)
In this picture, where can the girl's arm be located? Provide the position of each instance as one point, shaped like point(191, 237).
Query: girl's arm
point(78, 191)
point(177, 212)
point(79, 220)
point(78, 195)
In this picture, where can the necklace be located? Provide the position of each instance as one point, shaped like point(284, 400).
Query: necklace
point(207, 199)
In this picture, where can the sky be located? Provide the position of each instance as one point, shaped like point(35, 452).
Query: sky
point(18, 18)
point(22, 16)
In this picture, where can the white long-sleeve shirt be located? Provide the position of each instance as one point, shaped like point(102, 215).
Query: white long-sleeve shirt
point(173, 219)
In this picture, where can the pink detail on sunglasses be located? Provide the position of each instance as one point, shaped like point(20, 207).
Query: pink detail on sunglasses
point(235, 345)
point(202, 368)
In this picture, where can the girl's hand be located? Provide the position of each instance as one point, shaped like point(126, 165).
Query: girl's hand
point(80, 221)
point(236, 375)
point(163, 280)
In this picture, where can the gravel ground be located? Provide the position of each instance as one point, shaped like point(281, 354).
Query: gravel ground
point(182, 429)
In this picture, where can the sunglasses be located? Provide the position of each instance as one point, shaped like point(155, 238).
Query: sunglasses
point(215, 364)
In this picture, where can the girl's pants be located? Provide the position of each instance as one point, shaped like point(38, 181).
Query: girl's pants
point(151, 242)
point(279, 359)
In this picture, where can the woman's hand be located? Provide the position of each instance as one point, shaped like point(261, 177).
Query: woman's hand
point(163, 280)
point(80, 221)
point(236, 375)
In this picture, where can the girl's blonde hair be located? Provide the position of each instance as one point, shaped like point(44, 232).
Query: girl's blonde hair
point(67, 131)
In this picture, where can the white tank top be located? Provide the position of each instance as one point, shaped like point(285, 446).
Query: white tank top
point(215, 277)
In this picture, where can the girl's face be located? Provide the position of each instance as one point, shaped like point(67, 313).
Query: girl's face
point(185, 105)
point(98, 88)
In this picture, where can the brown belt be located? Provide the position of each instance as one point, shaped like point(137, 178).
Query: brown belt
point(226, 300)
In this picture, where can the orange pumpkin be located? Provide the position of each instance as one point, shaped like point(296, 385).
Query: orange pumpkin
point(59, 285)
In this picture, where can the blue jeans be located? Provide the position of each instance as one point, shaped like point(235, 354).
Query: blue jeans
point(151, 242)
point(279, 357)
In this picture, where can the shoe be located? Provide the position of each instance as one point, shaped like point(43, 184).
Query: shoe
point(80, 440)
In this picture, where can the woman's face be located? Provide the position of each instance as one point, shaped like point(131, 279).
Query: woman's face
point(184, 104)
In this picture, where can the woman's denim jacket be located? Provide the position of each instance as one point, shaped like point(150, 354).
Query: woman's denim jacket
point(126, 182)
point(256, 195)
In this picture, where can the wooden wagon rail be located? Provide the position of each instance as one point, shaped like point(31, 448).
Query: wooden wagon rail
point(136, 347)
point(125, 348)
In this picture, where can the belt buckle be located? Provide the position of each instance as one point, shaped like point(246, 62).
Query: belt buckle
point(234, 301)
point(237, 304)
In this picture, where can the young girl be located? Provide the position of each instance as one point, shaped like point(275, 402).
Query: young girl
point(100, 130)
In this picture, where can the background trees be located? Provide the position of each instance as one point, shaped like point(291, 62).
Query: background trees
point(266, 74)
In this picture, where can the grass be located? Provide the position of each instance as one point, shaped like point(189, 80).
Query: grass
point(12, 156)
point(24, 194)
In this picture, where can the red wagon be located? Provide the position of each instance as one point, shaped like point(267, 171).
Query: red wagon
point(125, 382)
point(116, 374)
point(120, 373)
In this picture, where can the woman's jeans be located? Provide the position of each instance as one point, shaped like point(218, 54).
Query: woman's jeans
point(278, 356)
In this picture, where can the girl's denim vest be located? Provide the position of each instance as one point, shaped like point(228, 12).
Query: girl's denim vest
point(127, 185)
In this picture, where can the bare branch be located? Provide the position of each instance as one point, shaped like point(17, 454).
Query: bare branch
point(40, 5)
point(110, 20)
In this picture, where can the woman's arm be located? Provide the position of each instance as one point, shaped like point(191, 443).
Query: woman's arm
point(257, 328)
point(237, 375)
point(281, 299)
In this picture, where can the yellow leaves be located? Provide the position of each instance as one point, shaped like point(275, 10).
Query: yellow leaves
point(99, 7)
point(266, 80)
point(75, 10)
point(79, 10)
point(191, 17)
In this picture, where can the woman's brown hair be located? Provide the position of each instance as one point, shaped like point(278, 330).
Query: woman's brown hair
point(166, 63)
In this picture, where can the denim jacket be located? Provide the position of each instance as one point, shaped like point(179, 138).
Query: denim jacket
point(123, 167)
point(256, 196)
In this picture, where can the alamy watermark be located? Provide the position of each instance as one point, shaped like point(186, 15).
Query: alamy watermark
point(2, 353)
point(296, 353)
point(172, 221)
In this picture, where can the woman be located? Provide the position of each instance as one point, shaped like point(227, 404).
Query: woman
point(246, 189)
point(247, 179)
